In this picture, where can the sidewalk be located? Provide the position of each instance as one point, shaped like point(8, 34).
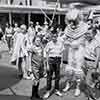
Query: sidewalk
point(11, 88)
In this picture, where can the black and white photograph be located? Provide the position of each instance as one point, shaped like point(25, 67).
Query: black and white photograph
point(49, 49)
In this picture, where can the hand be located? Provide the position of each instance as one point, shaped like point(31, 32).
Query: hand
point(48, 68)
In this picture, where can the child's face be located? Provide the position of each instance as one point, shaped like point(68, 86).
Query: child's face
point(23, 30)
point(54, 38)
point(37, 41)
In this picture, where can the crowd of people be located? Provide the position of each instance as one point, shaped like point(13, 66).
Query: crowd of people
point(41, 51)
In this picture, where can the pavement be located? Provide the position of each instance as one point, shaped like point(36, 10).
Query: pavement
point(12, 88)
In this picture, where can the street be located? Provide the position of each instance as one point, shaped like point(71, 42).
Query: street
point(12, 88)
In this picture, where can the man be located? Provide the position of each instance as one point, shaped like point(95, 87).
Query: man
point(54, 50)
point(92, 60)
point(92, 52)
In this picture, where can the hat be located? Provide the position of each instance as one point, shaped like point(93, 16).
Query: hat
point(72, 14)
point(23, 26)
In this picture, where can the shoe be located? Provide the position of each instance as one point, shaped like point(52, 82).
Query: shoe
point(20, 76)
point(27, 77)
point(31, 76)
point(38, 97)
point(45, 75)
point(92, 98)
point(58, 93)
point(46, 95)
point(35, 98)
point(77, 92)
point(66, 88)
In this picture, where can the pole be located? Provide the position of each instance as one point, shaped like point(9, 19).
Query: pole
point(28, 2)
point(29, 17)
point(59, 19)
point(8, 1)
point(10, 18)
point(45, 19)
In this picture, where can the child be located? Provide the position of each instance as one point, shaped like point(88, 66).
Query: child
point(36, 51)
point(53, 49)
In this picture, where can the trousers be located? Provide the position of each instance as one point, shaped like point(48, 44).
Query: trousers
point(54, 67)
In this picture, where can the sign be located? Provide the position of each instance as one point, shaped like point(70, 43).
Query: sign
point(39, 3)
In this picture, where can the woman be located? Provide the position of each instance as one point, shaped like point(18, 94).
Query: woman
point(20, 52)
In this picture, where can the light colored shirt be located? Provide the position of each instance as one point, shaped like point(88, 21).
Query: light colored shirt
point(16, 29)
point(90, 49)
point(37, 27)
point(31, 31)
point(54, 49)
point(19, 49)
point(9, 31)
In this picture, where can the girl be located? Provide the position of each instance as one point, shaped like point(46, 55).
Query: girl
point(36, 51)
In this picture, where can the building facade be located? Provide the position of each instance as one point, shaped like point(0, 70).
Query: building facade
point(24, 11)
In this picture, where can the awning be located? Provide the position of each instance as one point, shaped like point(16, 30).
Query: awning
point(91, 2)
point(29, 9)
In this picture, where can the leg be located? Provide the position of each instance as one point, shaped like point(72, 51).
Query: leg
point(79, 75)
point(69, 78)
point(35, 89)
point(20, 72)
point(49, 77)
point(8, 39)
point(57, 78)
point(25, 75)
point(57, 75)
point(49, 81)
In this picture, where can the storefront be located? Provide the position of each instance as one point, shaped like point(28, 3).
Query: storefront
point(24, 11)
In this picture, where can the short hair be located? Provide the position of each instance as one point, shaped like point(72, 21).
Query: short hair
point(23, 26)
point(30, 23)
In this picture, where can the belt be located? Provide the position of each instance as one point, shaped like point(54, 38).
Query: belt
point(87, 59)
point(55, 57)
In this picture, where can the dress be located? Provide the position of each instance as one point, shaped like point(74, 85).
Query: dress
point(37, 61)
point(19, 49)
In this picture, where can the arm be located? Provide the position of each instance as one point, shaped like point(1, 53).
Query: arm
point(23, 47)
point(97, 50)
point(46, 50)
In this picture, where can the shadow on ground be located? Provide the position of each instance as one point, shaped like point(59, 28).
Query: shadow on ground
point(13, 97)
point(8, 77)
